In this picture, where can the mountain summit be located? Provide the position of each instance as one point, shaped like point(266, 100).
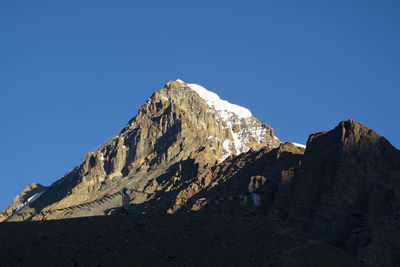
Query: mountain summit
point(180, 125)
point(188, 150)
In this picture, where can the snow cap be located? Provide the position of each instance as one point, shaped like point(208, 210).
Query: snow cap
point(213, 100)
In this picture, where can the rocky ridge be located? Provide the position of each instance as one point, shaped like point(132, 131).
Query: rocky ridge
point(344, 188)
point(188, 151)
point(27, 196)
point(181, 125)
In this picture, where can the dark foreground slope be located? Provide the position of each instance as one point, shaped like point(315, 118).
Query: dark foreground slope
point(197, 239)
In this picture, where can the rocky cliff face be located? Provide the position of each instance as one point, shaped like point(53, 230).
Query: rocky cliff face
point(188, 150)
point(348, 191)
point(344, 189)
point(180, 126)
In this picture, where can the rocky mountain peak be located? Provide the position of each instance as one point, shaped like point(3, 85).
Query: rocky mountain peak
point(180, 125)
point(348, 136)
point(188, 150)
point(227, 128)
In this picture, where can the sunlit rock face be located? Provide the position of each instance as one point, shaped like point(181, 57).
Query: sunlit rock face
point(186, 150)
point(178, 124)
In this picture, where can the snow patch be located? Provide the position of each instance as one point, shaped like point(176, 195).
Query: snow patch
point(232, 116)
point(299, 145)
point(30, 200)
point(216, 140)
point(214, 101)
point(227, 149)
point(33, 198)
point(102, 157)
point(239, 144)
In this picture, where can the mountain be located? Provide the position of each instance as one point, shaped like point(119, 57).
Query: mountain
point(24, 199)
point(344, 188)
point(181, 129)
point(348, 191)
point(187, 151)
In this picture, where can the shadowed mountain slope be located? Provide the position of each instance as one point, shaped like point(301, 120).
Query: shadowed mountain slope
point(344, 189)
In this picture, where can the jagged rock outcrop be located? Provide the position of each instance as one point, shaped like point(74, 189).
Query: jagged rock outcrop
point(348, 192)
point(266, 172)
point(180, 125)
point(28, 195)
point(344, 189)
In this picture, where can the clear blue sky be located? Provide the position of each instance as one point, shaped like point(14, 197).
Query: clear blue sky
point(72, 73)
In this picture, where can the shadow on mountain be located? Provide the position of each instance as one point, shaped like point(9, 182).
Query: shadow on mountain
point(177, 177)
point(267, 173)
